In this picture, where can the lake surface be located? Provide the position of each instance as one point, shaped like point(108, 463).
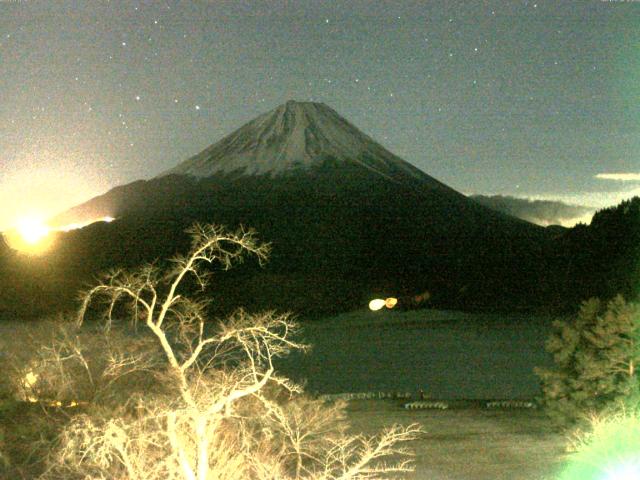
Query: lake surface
point(448, 355)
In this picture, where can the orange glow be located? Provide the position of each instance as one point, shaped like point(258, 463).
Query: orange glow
point(31, 235)
point(32, 230)
point(75, 226)
point(390, 302)
point(378, 303)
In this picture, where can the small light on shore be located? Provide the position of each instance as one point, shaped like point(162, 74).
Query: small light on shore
point(376, 304)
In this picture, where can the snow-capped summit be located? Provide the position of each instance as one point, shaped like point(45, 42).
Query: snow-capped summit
point(296, 137)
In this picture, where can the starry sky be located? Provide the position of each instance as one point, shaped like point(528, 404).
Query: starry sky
point(534, 99)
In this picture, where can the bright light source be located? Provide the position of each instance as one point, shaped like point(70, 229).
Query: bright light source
point(379, 303)
point(376, 304)
point(390, 302)
point(626, 471)
point(30, 235)
point(30, 380)
point(32, 230)
point(611, 451)
point(78, 225)
point(71, 226)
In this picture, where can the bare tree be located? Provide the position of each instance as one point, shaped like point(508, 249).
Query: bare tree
point(222, 412)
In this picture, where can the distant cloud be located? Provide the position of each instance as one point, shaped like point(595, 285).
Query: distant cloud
point(620, 177)
point(595, 199)
point(540, 212)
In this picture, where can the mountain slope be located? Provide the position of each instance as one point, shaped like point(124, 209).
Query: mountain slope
point(347, 220)
point(288, 145)
point(298, 137)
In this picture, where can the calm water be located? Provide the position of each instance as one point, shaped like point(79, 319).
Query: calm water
point(455, 356)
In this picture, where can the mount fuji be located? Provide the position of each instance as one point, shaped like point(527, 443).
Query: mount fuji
point(347, 219)
point(295, 138)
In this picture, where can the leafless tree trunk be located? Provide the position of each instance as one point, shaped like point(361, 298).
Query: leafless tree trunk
point(230, 416)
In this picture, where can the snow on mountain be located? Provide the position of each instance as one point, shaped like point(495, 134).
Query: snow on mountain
point(297, 137)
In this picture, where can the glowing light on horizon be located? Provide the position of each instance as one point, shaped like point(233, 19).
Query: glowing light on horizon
point(32, 230)
point(30, 235)
point(33, 236)
point(619, 177)
point(75, 226)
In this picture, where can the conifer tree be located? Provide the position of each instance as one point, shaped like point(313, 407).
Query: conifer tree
point(596, 360)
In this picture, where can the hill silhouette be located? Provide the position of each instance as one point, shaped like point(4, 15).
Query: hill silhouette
point(347, 220)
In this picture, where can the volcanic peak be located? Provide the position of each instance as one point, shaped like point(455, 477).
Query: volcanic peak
point(295, 137)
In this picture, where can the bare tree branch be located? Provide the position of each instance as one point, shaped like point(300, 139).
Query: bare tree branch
point(222, 411)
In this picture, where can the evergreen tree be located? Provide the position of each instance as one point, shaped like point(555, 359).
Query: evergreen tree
point(596, 357)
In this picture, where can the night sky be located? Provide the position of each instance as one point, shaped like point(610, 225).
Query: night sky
point(532, 99)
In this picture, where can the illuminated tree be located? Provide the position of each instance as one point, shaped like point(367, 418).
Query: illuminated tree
point(217, 409)
point(596, 357)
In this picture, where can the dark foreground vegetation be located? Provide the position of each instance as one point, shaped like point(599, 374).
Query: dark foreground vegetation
point(89, 404)
point(161, 397)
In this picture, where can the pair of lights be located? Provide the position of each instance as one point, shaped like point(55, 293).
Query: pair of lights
point(378, 303)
